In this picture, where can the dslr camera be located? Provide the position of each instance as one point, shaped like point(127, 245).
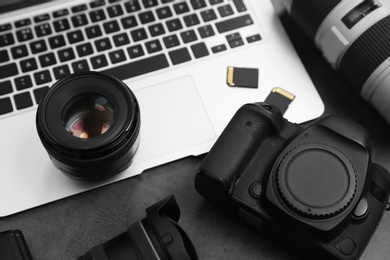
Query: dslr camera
point(313, 189)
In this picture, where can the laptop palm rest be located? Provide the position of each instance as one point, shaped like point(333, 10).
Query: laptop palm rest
point(29, 179)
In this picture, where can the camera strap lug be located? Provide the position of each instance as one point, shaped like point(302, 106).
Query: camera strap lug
point(388, 206)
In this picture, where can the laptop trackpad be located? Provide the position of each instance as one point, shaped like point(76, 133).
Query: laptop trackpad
point(173, 119)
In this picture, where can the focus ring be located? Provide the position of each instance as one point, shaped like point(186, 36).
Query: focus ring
point(366, 53)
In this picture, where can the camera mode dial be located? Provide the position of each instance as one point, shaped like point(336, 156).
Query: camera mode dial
point(315, 181)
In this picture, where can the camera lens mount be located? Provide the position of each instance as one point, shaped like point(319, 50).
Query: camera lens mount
point(89, 124)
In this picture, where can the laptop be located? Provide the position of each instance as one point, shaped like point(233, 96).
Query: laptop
point(172, 54)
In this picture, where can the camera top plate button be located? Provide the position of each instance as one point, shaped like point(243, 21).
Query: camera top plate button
point(361, 209)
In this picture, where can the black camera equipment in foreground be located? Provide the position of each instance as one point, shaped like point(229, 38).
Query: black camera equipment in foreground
point(314, 189)
point(13, 246)
point(89, 124)
point(353, 36)
point(157, 236)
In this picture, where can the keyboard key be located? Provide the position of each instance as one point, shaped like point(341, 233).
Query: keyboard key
point(139, 67)
point(97, 15)
point(139, 34)
point(214, 2)
point(153, 46)
point(171, 41)
point(99, 61)
point(135, 51)
point(84, 49)
point(38, 46)
point(61, 71)
point(5, 87)
point(117, 56)
point(57, 41)
point(42, 77)
point(240, 6)
point(5, 106)
point(23, 82)
point(188, 36)
point(199, 50)
point(75, 36)
point(129, 22)
point(132, 6)
point(219, 48)
point(22, 23)
point(208, 15)
point(19, 51)
point(234, 40)
point(61, 25)
point(79, 20)
point(6, 39)
point(121, 39)
point(28, 65)
point(103, 44)
point(234, 23)
point(5, 27)
point(115, 10)
point(60, 13)
point(66, 54)
point(97, 3)
point(149, 3)
point(8, 70)
point(164, 12)
point(146, 17)
point(225, 10)
point(43, 30)
point(93, 32)
point(4, 56)
point(39, 93)
point(111, 27)
point(80, 66)
point(198, 4)
point(180, 56)
point(181, 8)
point(79, 8)
point(41, 18)
point(23, 100)
point(253, 38)
point(156, 29)
point(174, 25)
point(47, 59)
point(206, 31)
point(24, 35)
point(191, 20)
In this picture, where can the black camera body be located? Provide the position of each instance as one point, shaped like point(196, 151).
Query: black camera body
point(314, 189)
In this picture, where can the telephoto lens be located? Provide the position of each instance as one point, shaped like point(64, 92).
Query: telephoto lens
point(89, 124)
point(157, 236)
point(354, 37)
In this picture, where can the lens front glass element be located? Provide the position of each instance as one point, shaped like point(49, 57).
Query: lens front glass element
point(88, 116)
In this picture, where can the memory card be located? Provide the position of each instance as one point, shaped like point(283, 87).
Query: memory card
point(242, 77)
point(280, 98)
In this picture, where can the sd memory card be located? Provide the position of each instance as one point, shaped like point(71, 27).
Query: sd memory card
point(242, 77)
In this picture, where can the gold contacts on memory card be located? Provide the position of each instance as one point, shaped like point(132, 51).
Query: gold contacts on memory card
point(242, 77)
point(280, 98)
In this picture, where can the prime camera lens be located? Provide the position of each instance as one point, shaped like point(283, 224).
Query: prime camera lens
point(353, 36)
point(89, 124)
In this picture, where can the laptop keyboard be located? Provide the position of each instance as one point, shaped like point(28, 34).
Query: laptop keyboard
point(122, 38)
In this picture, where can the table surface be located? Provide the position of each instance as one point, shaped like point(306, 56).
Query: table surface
point(68, 228)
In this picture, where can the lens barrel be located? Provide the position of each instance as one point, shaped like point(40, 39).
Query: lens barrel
point(89, 124)
point(354, 37)
point(157, 236)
